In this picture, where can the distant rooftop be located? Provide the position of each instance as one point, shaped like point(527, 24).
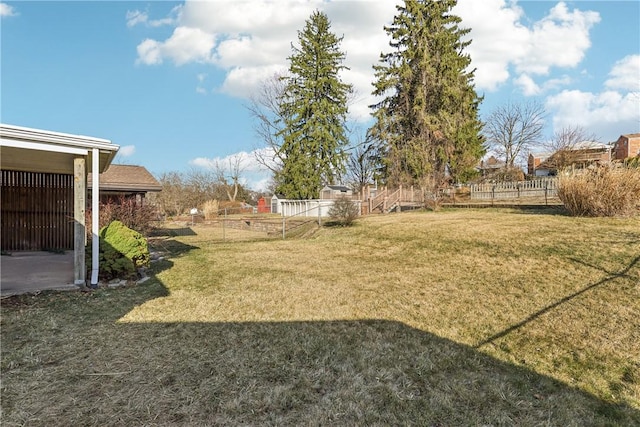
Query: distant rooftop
point(590, 145)
point(127, 178)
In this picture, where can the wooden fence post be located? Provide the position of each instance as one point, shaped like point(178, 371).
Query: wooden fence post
point(545, 192)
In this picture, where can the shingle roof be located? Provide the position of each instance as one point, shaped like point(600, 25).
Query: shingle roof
point(127, 178)
point(589, 145)
point(338, 187)
point(632, 135)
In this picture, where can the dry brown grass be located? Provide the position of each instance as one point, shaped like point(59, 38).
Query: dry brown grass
point(605, 191)
point(478, 317)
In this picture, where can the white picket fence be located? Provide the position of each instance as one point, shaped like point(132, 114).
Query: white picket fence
point(547, 187)
point(307, 208)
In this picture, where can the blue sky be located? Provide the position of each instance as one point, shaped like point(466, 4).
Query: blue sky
point(168, 81)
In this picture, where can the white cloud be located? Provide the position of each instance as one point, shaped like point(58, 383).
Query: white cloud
point(560, 39)
point(253, 174)
point(499, 38)
point(127, 151)
point(149, 52)
point(625, 74)
point(201, 78)
point(607, 114)
point(502, 41)
point(260, 184)
point(244, 81)
point(248, 162)
point(185, 45)
point(135, 17)
point(530, 88)
point(250, 39)
point(7, 10)
point(161, 22)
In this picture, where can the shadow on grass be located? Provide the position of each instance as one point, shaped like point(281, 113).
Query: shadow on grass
point(172, 232)
point(68, 359)
point(553, 210)
point(623, 273)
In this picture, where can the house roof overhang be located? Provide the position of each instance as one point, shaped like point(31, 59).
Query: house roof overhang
point(127, 179)
point(35, 150)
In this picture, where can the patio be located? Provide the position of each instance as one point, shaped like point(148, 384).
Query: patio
point(23, 272)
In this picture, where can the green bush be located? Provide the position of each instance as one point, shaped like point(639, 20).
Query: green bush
point(632, 162)
point(344, 211)
point(604, 191)
point(122, 251)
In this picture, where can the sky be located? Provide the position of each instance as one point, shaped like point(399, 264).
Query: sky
point(170, 81)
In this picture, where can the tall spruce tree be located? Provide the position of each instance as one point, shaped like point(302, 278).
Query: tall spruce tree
point(314, 111)
point(427, 124)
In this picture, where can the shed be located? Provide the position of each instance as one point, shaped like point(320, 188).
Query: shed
point(263, 207)
point(331, 192)
point(44, 191)
point(275, 203)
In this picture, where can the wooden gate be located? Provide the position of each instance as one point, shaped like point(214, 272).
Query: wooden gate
point(37, 211)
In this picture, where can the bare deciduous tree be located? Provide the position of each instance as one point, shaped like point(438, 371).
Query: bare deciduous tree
point(228, 176)
point(183, 191)
point(173, 199)
point(264, 108)
point(566, 148)
point(361, 166)
point(513, 128)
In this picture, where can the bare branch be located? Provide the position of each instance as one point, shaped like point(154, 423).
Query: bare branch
point(513, 128)
point(567, 146)
point(228, 175)
point(361, 166)
point(264, 108)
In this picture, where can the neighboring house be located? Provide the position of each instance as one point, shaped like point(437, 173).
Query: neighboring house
point(331, 192)
point(44, 192)
point(578, 156)
point(626, 146)
point(490, 166)
point(535, 165)
point(128, 181)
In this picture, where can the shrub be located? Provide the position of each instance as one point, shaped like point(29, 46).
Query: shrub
point(632, 162)
point(127, 211)
point(344, 211)
point(234, 207)
point(506, 174)
point(604, 191)
point(210, 209)
point(122, 251)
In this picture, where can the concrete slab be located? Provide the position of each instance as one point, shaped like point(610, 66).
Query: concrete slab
point(23, 272)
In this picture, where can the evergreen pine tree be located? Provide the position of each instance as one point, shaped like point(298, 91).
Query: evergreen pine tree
point(314, 110)
point(427, 123)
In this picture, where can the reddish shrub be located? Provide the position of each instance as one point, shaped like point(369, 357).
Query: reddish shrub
point(127, 211)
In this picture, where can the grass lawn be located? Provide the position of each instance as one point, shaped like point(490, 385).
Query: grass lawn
point(460, 317)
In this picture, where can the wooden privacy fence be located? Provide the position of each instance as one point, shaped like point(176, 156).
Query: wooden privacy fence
point(37, 211)
point(546, 188)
